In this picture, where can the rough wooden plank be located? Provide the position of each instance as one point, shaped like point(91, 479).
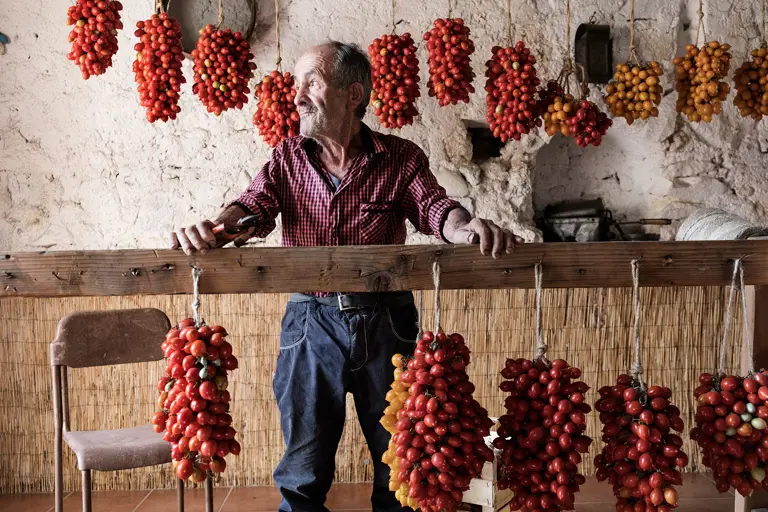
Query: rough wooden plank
point(757, 327)
point(376, 268)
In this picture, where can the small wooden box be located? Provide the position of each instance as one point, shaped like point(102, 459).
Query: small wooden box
point(483, 491)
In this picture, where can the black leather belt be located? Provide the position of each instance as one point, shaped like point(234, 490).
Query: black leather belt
point(358, 301)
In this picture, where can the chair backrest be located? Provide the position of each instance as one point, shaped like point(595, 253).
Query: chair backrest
point(100, 338)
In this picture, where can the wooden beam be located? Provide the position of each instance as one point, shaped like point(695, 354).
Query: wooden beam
point(757, 327)
point(376, 268)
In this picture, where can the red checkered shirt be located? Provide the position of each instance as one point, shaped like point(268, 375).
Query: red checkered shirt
point(388, 182)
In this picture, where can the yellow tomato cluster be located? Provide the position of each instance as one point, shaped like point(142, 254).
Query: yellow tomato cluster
point(396, 398)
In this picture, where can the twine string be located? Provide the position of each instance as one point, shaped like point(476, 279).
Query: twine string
point(394, 25)
point(701, 29)
point(637, 367)
point(196, 294)
point(420, 314)
point(728, 313)
point(436, 280)
point(632, 46)
point(279, 60)
point(747, 330)
point(541, 348)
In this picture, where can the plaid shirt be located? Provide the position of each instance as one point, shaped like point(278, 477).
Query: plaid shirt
point(386, 183)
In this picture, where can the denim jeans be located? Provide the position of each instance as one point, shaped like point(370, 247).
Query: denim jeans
point(324, 354)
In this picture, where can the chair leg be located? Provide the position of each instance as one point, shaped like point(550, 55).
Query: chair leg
point(208, 494)
point(58, 477)
point(58, 483)
point(180, 493)
point(87, 490)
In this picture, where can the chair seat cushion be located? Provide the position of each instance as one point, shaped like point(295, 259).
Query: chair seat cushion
point(109, 450)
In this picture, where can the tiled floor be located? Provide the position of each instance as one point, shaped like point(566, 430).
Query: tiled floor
point(698, 494)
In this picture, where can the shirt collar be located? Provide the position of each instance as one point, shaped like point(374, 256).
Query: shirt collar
point(371, 141)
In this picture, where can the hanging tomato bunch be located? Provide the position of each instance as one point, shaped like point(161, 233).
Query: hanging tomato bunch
point(395, 74)
point(751, 81)
point(223, 68)
point(700, 85)
point(276, 115)
point(580, 119)
point(157, 68)
point(541, 436)
point(439, 441)
point(450, 67)
point(193, 407)
point(635, 91)
point(731, 416)
point(396, 396)
point(511, 87)
point(94, 35)
point(642, 458)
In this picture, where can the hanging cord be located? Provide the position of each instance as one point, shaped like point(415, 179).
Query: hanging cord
point(541, 348)
point(747, 330)
point(420, 315)
point(701, 29)
point(278, 62)
point(728, 313)
point(568, 31)
point(394, 25)
point(637, 367)
point(450, 9)
point(196, 294)
point(436, 279)
point(764, 29)
point(509, 22)
point(221, 15)
point(632, 46)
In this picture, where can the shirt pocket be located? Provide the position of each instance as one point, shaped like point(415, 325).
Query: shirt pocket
point(377, 223)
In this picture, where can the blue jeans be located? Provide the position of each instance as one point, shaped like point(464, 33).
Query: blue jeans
point(324, 354)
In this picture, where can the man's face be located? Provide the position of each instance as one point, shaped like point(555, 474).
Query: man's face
point(322, 107)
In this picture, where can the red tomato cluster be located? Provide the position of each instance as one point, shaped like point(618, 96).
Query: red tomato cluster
point(223, 68)
point(157, 68)
point(589, 124)
point(450, 68)
point(395, 75)
point(731, 418)
point(94, 36)
point(194, 402)
point(511, 88)
point(276, 115)
point(440, 430)
point(541, 436)
point(641, 457)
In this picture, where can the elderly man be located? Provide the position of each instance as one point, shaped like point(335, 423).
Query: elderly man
point(341, 183)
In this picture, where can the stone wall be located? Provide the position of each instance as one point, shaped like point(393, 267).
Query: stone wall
point(80, 168)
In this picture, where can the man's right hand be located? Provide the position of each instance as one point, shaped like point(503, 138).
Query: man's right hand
point(198, 237)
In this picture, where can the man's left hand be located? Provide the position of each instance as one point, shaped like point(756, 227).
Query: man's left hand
point(492, 238)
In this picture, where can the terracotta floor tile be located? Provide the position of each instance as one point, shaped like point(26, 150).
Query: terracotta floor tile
point(108, 501)
point(252, 499)
point(194, 500)
point(26, 502)
point(349, 497)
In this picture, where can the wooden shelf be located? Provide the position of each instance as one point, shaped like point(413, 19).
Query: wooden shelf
point(377, 268)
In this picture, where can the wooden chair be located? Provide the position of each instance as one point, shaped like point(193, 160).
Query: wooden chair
point(101, 338)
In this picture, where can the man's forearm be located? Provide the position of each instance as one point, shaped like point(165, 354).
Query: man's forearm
point(231, 215)
point(456, 220)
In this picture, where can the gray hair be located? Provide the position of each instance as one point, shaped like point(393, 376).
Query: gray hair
point(351, 65)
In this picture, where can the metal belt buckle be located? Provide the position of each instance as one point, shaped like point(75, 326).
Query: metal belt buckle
point(341, 305)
